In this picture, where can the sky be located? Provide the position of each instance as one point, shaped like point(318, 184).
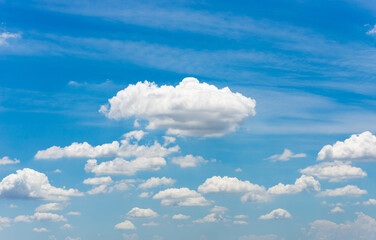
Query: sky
point(190, 120)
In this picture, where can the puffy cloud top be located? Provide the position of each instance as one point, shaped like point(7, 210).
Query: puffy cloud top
point(181, 197)
point(334, 171)
point(142, 213)
point(217, 184)
point(191, 108)
point(361, 146)
point(349, 190)
point(276, 214)
point(30, 184)
point(155, 182)
point(304, 183)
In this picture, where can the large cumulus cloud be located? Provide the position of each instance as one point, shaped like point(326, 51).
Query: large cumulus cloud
point(191, 108)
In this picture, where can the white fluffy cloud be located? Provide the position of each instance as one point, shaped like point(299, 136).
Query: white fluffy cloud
point(128, 147)
point(156, 182)
point(180, 217)
point(276, 214)
point(304, 183)
point(181, 197)
point(334, 171)
point(40, 216)
point(30, 184)
point(126, 225)
point(98, 180)
point(358, 146)
point(191, 108)
point(337, 210)
point(372, 31)
point(49, 207)
point(6, 160)
point(4, 222)
point(120, 166)
point(349, 190)
point(286, 156)
point(364, 227)
point(188, 161)
point(370, 201)
point(217, 184)
point(141, 213)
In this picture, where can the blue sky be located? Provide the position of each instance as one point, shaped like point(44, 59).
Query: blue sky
point(187, 120)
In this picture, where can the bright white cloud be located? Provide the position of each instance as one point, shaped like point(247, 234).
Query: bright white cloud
point(349, 190)
point(191, 108)
point(276, 214)
point(40, 230)
point(4, 36)
point(286, 156)
point(370, 201)
point(30, 184)
point(364, 227)
point(120, 166)
point(98, 180)
point(156, 182)
point(337, 210)
point(128, 147)
point(304, 183)
point(126, 225)
point(217, 184)
point(334, 171)
point(188, 161)
point(181, 197)
point(180, 217)
point(358, 146)
point(141, 213)
point(6, 160)
point(49, 207)
point(40, 216)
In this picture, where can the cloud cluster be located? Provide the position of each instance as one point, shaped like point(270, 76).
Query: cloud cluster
point(349, 190)
point(128, 147)
point(126, 225)
point(6, 160)
point(364, 227)
point(40, 216)
point(30, 184)
point(156, 182)
point(188, 161)
point(191, 108)
point(180, 217)
point(334, 171)
point(358, 146)
point(142, 213)
point(120, 166)
point(181, 197)
point(304, 183)
point(48, 207)
point(286, 156)
point(276, 214)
